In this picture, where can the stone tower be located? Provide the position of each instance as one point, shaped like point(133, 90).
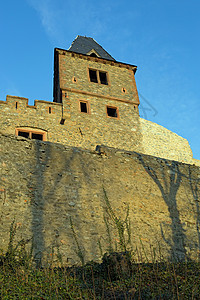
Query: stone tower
point(97, 93)
point(95, 102)
point(88, 74)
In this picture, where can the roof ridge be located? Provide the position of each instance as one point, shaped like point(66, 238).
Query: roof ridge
point(83, 44)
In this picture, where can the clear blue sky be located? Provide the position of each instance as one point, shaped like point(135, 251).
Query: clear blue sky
point(161, 37)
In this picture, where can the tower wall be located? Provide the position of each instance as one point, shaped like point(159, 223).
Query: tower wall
point(73, 72)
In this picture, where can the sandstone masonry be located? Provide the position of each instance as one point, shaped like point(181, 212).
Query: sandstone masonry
point(95, 103)
point(58, 159)
point(43, 185)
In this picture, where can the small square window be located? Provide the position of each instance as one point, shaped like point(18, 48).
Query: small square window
point(112, 112)
point(84, 107)
point(93, 76)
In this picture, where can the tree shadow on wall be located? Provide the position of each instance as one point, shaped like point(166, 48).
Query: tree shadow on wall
point(55, 187)
point(168, 179)
point(194, 183)
point(36, 185)
point(39, 184)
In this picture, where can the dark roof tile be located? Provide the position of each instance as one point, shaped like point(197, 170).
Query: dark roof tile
point(84, 45)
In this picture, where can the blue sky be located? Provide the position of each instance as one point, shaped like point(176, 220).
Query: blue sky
point(161, 37)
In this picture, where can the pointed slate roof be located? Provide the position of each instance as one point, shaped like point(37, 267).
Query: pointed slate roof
point(87, 45)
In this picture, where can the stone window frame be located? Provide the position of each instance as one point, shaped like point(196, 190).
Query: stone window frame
point(88, 106)
point(98, 76)
point(117, 111)
point(31, 131)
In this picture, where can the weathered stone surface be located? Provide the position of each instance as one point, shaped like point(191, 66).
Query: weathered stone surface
point(64, 122)
point(57, 190)
point(45, 185)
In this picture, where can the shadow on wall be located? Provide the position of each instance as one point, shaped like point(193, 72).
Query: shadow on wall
point(194, 185)
point(57, 178)
point(168, 181)
point(63, 181)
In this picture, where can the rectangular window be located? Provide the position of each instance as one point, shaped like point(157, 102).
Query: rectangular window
point(93, 75)
point(28, 133)
point(98, 76)
point(112, 112)
point(103, 77)
point(36, 136)
point(23, 133)
point(84, 107)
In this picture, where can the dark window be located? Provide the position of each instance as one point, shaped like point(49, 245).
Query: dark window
point(37, 136)
point(103, 77)
point(84, 107)
point(112, 112)
point(23, 133)
point(93, 54)
point(93, 75)
point(30, 134)
point(49, 110)
point(98, 76)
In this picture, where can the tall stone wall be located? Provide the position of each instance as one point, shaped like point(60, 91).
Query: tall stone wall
point(161, 142)
point(44, 185)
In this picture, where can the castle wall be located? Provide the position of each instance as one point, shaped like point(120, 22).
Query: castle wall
point(161, 142)
point(128, 132)
point(79, 129)
point(43, 185)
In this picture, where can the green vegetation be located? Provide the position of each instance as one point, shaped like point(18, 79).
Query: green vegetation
point(122, 227)
point(117, 277)
point(20, 280)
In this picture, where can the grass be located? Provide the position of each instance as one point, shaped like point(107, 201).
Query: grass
point(92, 281)
point(117, 277)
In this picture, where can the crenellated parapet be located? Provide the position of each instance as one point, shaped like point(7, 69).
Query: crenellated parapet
point(95, 103)
point(66, 124)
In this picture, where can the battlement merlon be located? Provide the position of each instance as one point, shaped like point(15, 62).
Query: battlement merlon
point(17, 102)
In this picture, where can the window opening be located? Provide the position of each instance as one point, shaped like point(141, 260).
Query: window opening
point(37, 136)
point(49, 110)
point(98, 76)
point(16, 105)
point(93, 55)
point(103, 78)
point(31, 134)
point(112, 112)
point(93, 75)
point(23, 133)
point(84, 107)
